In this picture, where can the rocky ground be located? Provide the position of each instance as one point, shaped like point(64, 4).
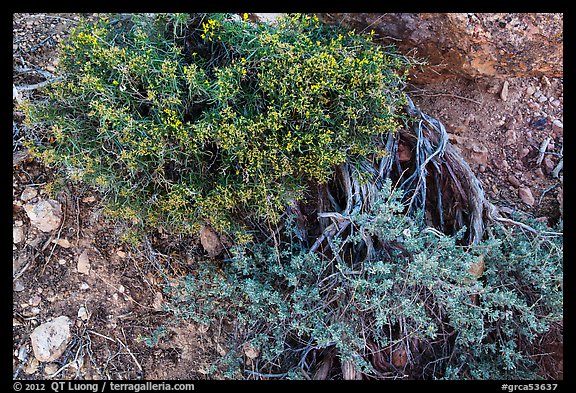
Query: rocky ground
point(72, 276)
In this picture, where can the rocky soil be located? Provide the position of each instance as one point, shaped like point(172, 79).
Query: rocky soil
point(82, 302)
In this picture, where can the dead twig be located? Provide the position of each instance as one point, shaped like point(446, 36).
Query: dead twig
point(556, 171)
point(130, 353)
point(542, 150)
point(34, 86)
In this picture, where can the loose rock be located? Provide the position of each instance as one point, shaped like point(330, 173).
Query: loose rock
point(32, 366)
point(50, 369)
point(524, 152)
point(558, 123)
point(158, 301)
point(45, 215)
point(514, 181)
point(83, 265)
point(526, 196)
point(49, 340)
point(18, 286)
point(210, 241)
point(17, 234)
point(64, 243)
point(83, 313)
point(504, 91)
point(548, 164)
point(28, 194)
point(35, 300)
point(510, 137)
point(251, 352)
point(478, 154)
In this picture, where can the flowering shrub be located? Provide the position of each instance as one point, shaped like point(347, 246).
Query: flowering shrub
point(183, 121)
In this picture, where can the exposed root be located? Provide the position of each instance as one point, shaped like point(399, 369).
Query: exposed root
point(439, 188)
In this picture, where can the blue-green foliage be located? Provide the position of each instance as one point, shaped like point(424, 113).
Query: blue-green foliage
point(289, 301)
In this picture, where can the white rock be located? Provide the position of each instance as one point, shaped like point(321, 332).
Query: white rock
point(49, 340)
point(558, 123)
point(35, 300)
point(17, 234)
point(45, 215)
point(83, 265)
point(504, 91)
point(18, 285)
point(28, 193)
point(270, 18)
point(83, 313)
point(158, 301)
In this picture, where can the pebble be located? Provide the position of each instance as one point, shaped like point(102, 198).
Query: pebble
point(84, 286)
point(17, 234)
point(558, 123)
point(83, 265)
point(526, 196)
point(50, 369)
point(504, 91)
point(510, 137)
point(555, 102)
point(83, 313)
point(45, 215)
point(62, 261)
point(158, 301)
point(28, 194)
point(524, 152)
point(479, 154)
point(542, 99)
point(548, 164)
point(18, 285)
point(49, 340)
point(64, 243)
point(530, 90)
point(35, 300)
point(32, 366)
point(537, 94)
point(514, 181)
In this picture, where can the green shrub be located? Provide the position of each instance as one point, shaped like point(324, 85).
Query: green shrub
point(182, 120)
point(289, 303)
